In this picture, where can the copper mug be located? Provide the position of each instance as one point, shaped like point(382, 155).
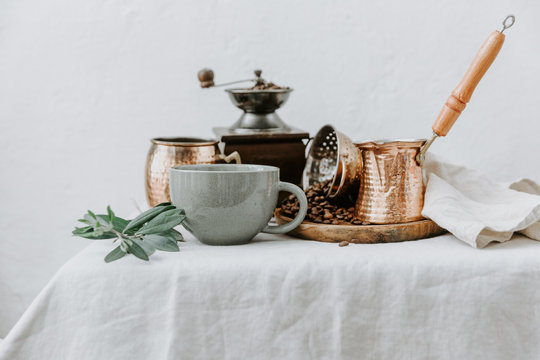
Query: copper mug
point(165, 153)
point(391, 188)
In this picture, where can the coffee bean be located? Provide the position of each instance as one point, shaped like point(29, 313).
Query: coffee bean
point(322, 209)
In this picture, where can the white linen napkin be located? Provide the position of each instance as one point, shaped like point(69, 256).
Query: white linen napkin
point(476, 209)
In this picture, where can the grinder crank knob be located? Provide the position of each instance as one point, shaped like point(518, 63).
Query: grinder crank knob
point(206, 77)
point(461, 95)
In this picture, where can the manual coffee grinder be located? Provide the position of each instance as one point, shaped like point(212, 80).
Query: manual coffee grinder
point(259, 135)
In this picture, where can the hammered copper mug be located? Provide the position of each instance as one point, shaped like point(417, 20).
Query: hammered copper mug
point(165, 153)
point(391, 182)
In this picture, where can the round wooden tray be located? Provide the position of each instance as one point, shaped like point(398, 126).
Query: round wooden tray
point(363, 234)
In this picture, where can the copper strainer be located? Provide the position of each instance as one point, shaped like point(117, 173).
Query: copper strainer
point(333, 157)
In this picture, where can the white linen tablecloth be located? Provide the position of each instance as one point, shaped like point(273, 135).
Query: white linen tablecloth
point(280, 298)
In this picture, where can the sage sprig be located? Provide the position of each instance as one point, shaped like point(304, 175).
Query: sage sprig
point(150, 231)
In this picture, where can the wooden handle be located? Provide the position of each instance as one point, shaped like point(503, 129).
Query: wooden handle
point(463, 92)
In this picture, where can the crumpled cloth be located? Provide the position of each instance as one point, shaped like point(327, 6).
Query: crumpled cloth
point(476, 209)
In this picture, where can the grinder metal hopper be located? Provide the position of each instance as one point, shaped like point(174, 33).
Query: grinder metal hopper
point(259, 102)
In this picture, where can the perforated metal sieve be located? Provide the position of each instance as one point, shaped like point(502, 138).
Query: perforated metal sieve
point(333, 157)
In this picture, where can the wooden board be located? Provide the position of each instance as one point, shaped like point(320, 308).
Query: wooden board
point(363, 234)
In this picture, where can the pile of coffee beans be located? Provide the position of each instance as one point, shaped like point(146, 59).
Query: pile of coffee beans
point(321, 209)
point(267, 86)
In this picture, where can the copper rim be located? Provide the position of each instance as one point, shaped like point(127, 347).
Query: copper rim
point(404, 142)
point(183, 141)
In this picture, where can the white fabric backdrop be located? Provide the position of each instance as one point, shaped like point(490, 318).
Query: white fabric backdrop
point(85, 84)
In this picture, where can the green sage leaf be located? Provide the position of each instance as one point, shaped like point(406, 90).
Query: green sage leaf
point(116, 254)
point(148, 248)
point(89, 219)
point(97, 235)
point(172, 234)
point(163, 204)
point(124, 246)
point(110, 214)
point(118, 223)
point(88, 232)
point(97, 222)
point(82, 230)
point(163, 222)
point(138, 251)
point(161, 242)
point(146, 216)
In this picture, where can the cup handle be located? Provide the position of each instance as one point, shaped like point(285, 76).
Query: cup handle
point(228, 158)
point(281, 229)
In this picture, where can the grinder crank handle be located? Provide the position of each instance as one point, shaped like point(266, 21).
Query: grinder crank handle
point(461, 95)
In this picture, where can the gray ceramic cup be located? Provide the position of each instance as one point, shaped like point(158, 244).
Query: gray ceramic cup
point(228, 204)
